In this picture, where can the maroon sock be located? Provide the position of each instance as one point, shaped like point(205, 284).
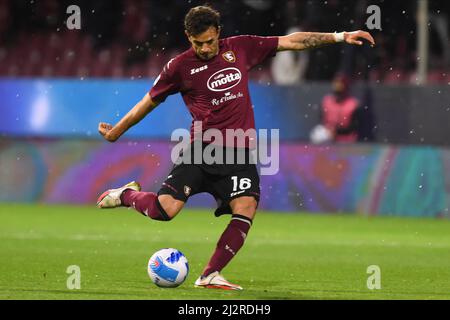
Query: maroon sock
point(145, 202)
point(229, 243)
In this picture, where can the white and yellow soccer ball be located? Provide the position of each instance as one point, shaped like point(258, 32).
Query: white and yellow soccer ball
point(168, 268)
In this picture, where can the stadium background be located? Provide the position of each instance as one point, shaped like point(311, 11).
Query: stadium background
point(57, 84)
point(330, 212)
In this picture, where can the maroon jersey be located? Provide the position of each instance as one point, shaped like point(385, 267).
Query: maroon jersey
point(216, 91)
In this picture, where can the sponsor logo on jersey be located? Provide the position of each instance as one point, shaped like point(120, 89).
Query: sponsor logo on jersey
point(197, 70)
point(224, 79)
point(227, 97)
point(229, 56)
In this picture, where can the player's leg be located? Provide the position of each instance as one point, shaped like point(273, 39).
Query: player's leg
point(181, 183)
point(242, 206)
point(163, 207)
point(234, 235)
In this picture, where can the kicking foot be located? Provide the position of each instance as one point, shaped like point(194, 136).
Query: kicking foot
point(216, 281)
point(111, 197)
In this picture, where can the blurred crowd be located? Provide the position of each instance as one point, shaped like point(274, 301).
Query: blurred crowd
point(134, 38)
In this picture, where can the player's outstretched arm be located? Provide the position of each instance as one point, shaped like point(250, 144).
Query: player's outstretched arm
point(139, 111)
point(308, 40)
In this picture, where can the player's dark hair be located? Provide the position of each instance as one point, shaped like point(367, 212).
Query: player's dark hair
point(201, 18)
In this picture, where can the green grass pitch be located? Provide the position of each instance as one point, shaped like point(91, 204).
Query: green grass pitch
point(286, 256)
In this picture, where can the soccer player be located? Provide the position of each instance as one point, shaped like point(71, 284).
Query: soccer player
point(212, 77)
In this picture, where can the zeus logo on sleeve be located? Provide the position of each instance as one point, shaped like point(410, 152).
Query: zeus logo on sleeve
point(224, 79)
point(197, 70)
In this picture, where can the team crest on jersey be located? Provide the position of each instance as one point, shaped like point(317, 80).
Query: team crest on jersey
point(229, 56)
point(187, 190)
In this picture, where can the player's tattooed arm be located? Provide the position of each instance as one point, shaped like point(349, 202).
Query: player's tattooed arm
point(139, 111)
point(308, 40)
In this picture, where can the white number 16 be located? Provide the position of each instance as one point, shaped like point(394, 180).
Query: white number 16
point(244, 183)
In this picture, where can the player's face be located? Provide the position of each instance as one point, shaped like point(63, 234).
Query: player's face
point(206, 44)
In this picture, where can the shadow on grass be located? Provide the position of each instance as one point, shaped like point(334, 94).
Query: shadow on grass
point(202, 294)
point(41, 293)
point(314, 294)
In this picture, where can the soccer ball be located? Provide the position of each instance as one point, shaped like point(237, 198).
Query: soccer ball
point(168, 268)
